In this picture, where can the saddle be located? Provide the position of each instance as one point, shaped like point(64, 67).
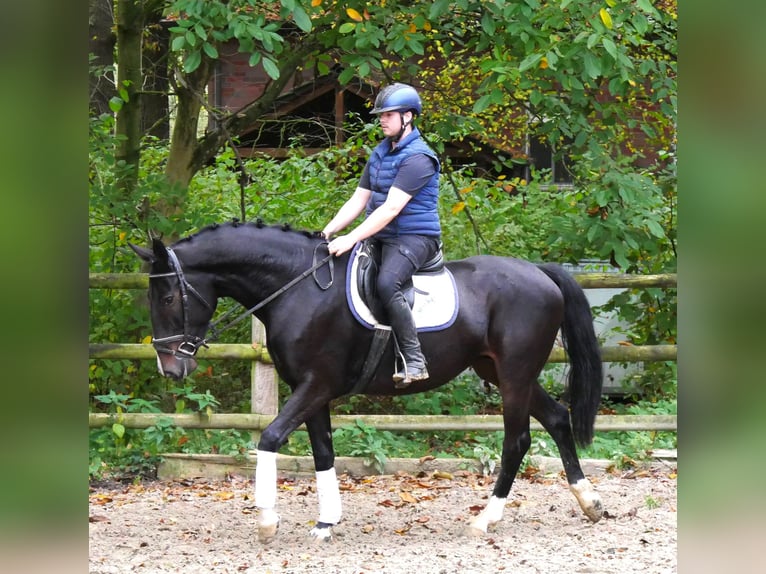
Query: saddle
point(431, 293)
point(368, 255)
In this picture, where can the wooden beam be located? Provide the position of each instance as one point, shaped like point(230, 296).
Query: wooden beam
point(402, 422)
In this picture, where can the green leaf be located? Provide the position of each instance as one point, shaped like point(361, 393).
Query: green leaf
point(438, 9)
point(646, 6)
point(347, 27)
point(619, 255)
point(178, 44)
point(482, 103)
point(118, 430)
point(191, 38)
point(302, 19)
point(552, 59)
point(592, 65)
point(115, 104)
point(416, 46)
point(255, 58)
point(655, 228)
point(610, 47)
point(488, 24)
point(346, 75)
point(192, 61)
point(210, 50)
point(271, 68)
point(592, 233)
point(640, 23)
point(529, 62)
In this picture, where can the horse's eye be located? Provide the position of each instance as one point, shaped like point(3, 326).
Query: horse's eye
point(167, 300)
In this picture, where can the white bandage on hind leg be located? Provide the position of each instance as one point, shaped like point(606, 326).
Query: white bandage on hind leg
point(329, 496)
point(266, 479)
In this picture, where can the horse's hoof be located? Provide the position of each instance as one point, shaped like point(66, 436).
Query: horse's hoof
point(595, 511)
point(267, 534)
point(268, 524)
point(473, 531)
point(321, 534)
point(588, 498)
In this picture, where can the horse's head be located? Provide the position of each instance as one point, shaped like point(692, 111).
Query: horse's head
point(180, 311)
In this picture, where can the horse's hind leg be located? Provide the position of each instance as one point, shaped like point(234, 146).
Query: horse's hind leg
point(516, 442)
point(555, 419)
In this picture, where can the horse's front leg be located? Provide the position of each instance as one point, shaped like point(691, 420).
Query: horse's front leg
point(302, 406)
point(266, 494)
point(320, 435)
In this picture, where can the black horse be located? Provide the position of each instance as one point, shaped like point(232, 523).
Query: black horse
point(509, 315)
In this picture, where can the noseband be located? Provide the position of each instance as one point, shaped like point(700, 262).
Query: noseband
point(190, 344)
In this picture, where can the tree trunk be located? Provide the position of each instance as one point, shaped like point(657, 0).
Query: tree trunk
point(129, 80)
point(188, 154)
point(190, 93)
point(101, 41)
point(155, 114)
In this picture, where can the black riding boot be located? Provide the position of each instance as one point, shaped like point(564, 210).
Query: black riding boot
point(403, 326)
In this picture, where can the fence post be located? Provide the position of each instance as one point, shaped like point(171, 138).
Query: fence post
point(264, 390)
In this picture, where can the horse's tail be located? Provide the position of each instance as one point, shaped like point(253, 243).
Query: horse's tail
point(580, 342)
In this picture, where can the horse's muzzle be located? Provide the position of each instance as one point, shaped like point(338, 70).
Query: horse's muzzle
point(175, 365)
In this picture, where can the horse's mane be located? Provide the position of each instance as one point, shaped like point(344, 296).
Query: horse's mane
point(258, 223)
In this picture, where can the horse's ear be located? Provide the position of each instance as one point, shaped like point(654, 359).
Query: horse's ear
point(143, 253)
point(158, 252)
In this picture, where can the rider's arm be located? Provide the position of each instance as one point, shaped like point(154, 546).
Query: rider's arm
point(349, 212)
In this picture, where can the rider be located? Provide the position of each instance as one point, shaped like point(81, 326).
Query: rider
point(399, 190)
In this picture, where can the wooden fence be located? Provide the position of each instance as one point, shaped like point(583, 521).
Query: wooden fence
point(264, 386)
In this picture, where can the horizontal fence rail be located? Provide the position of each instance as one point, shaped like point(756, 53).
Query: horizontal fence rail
point(586, 280)
point(253, 421)
point(229, 351)
point(258, 353)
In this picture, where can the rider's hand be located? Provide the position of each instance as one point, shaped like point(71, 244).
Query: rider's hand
point(340, 245)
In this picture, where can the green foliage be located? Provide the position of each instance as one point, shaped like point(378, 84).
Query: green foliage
point(118, 451)
point(364, 441)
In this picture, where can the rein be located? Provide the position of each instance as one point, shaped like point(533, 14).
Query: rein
point(190, 344)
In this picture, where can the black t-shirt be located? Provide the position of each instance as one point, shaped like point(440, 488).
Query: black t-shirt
point(414, 172)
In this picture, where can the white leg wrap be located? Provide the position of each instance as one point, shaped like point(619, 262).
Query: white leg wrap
point(266, 479)
point(492, 514)
point(329, 496)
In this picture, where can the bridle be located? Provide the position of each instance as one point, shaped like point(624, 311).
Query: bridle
point(190, 343)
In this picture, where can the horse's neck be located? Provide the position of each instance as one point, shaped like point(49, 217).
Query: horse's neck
point(248, 267)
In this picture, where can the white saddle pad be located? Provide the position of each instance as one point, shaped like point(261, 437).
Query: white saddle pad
point(435, 306)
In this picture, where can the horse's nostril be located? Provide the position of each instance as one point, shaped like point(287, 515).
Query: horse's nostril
point(174, 367)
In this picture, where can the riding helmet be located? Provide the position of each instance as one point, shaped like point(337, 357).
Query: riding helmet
point(398, 97)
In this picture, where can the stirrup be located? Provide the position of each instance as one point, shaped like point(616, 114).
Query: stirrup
point(402, 380)
point(402, 377)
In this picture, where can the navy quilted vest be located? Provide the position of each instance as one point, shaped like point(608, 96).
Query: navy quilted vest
point(419, 216)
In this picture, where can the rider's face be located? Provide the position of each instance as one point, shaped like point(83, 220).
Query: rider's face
point(391, 122)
